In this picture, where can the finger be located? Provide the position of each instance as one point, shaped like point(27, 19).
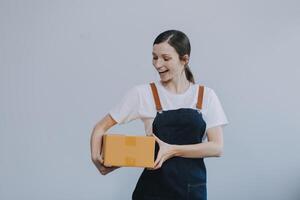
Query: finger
point(156, 138)
point(157, 163)
point(105, 170)
point(156, 167)
point(107, 165)
point(161, 163)
point(157, 159)
point(98, 163)
point(101, 168)
point(101, 159)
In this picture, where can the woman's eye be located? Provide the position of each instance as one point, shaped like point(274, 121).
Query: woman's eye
point(165, 59)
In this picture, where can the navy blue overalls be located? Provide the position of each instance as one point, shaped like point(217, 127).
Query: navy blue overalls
point(178, 178)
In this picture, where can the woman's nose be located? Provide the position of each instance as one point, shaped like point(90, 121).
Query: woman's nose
point(158, 63)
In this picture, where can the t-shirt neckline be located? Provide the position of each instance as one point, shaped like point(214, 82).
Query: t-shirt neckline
point(175, 94)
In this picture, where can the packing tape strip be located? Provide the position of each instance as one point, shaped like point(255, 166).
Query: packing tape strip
point(130, 161)
point(130, 141)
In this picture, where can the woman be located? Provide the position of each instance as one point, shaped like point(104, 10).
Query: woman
point(180, 114)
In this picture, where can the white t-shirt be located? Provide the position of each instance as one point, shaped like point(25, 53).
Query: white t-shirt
point(138, 103)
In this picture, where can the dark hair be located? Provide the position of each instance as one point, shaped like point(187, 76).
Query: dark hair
point(180, 42)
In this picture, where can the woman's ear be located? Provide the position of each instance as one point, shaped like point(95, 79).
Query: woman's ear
point(185, 59)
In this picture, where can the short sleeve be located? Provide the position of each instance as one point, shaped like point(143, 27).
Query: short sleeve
point(127, 109)
point(215, 115)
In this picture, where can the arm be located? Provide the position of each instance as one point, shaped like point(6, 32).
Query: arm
point(212, 148)
point(96, 143)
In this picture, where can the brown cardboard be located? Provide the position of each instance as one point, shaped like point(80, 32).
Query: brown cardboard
point(128, 151)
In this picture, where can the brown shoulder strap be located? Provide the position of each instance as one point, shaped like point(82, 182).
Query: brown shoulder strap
point(156, 97)
point(200, 97)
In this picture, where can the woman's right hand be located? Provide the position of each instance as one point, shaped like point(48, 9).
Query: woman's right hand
point(98, 161)
point(96, 144)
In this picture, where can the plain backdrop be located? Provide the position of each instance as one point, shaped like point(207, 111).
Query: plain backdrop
point(64, 64)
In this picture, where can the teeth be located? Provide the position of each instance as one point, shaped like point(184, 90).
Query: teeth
point(163, 71)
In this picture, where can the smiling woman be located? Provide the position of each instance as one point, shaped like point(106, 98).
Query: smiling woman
point(180, 114)
point(171, 52)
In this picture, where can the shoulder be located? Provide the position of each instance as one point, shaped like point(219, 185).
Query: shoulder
point(142, 90)
point(138, 88)
point(142, 87)
point(208, 95)
point(208, 91)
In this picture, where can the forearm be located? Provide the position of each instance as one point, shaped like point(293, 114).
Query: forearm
point(201, 150)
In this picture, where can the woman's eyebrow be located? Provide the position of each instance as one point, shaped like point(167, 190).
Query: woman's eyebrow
point(162, 54)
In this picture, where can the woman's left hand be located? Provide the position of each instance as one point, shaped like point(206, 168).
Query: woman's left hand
point(166, 151)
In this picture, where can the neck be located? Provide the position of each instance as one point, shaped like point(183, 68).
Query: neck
point(177, 85)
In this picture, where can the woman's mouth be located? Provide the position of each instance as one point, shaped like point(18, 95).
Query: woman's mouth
point(163, 72)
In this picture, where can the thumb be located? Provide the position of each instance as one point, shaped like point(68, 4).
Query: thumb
point(158, 159)
point(156, 138)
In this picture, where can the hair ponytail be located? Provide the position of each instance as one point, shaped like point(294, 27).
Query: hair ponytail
point(189, 74)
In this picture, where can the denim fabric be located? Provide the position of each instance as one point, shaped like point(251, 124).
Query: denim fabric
point(178, 178)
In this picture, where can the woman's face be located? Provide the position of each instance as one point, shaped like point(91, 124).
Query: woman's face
point(166, 61)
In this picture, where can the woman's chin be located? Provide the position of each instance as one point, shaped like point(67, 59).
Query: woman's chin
point(164, 80)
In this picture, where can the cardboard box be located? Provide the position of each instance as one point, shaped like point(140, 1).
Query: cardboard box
point(128, 151)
